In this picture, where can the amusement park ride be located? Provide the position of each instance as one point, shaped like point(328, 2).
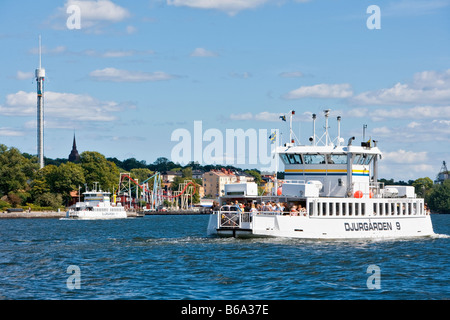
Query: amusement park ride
point(149, 196)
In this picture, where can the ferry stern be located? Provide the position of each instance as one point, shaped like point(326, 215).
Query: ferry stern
point(229, 221)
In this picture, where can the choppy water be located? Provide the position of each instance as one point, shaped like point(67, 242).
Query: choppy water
point(171, 257)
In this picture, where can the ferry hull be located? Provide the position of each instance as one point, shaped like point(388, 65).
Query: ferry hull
point(304, 227)
point(89, 215)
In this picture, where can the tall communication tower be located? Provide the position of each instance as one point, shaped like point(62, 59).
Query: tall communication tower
point(40, 75)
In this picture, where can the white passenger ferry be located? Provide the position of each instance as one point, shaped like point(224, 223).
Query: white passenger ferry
point(330, 191)
point(96, 205)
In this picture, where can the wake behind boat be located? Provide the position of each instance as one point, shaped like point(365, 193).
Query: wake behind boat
point(96, 205)
point(331, 192)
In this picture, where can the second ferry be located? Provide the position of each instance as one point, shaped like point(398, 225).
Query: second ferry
point(97, 205)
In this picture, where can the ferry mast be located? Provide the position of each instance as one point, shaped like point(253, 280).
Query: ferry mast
point(40, 75)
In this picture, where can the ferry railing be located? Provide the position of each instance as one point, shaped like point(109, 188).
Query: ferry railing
point(375, 188)
point(229, 219)
point(234, 219)
point(293, 181)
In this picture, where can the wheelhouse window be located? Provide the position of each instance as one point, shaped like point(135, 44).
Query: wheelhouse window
point(337, 159)
point(362, 159)
point(291, 158)
point(314, 158)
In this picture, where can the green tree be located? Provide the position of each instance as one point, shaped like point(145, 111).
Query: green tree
point(256, 174)
point(69, 177)
point(186, 172)
point(43, 181)
point(15, 170)
point(97, 169)
point(48, 199)
point(14, 199)
point(132, 163)
point(439, 198)
point(141, 174)
point(422, 186)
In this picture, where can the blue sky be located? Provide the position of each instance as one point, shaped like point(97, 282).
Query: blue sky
point(136, 71)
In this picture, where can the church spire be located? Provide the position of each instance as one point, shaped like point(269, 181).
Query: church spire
point(74, 156)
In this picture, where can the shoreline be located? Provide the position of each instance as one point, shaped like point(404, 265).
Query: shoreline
point(42, 215)
point(57, 215)
point(32, 214)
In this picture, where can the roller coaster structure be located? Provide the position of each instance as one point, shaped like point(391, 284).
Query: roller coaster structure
point(154, 197)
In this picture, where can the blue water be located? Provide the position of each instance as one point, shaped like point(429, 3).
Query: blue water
point(171, 257)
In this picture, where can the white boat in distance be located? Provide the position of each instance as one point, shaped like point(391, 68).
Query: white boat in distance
point(96, 205)
point(331, 191)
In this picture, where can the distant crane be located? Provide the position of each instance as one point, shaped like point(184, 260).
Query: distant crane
point(443, 174)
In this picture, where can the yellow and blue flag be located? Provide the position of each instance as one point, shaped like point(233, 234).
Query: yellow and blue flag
point(273, 137)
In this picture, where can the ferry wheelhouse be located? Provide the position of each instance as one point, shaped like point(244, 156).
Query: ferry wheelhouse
point(96, 205)
point(330, 191)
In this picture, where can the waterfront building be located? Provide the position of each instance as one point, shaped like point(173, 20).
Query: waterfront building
point(214, 181)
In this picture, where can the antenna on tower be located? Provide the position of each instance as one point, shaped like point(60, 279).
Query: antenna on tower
point(40, 52)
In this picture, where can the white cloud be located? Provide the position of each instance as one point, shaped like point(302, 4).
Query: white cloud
point(24, 75)
point(47, 50)
point(427, 87)
point(82, 107)
point(231, 7)
point(117, 75)
point(269, 116)
point(357, 112)
point(242, 116)
point(262, 116)
point(414, 7)
point(243, 75)
point(114, 53)
point(94, 14)
point(201, 52)
point(100, 10)
point(292, 74)
point(131, 29)
point(382, 131)
point(422, 131)
point(442, 122)
point(405, 157)
point(413, 125)
point(417, 113)
point(117, 53)
point(323, 90)
point(8, 132)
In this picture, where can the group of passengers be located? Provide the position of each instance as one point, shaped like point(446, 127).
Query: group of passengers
point(270, 207)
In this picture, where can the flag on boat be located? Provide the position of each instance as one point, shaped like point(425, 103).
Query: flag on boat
point(367, 144)
point(273, 137)
point(283, 118)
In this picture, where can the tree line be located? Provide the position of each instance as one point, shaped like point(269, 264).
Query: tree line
point(22, 183)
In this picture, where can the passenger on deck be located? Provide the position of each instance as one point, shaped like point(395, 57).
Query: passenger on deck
point(266, 207)
point(277, 208)
point(253, 210)
point(302, 210)
point(294, 211)
point(263, 206)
